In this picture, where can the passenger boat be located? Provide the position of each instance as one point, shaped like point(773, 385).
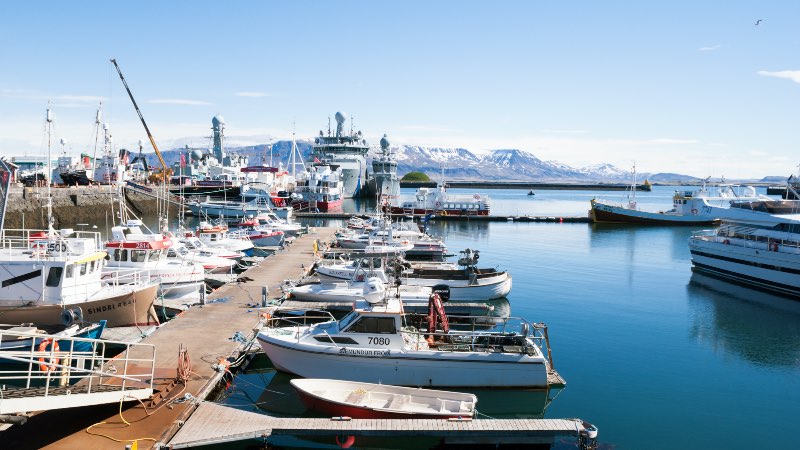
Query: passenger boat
point(381, 401)
point(131, 248)
point(438, 201)
point(377, 342)
point(759, 247)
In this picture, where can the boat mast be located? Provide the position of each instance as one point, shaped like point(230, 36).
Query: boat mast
point(97, 119)
point(49, 125)
point(632, 197)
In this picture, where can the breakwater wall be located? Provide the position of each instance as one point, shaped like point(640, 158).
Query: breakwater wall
point(92, 205)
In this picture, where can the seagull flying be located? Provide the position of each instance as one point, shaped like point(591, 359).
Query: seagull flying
point(758, 21)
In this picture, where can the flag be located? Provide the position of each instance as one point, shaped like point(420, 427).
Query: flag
point(183, 160)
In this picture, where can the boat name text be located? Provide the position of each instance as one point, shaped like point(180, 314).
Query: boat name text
point(363, 352)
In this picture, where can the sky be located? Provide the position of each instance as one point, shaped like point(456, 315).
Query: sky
point(702, 88)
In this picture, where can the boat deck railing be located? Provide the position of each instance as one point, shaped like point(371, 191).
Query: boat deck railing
point(748, 238)
point(51, 371)
point(41, 245)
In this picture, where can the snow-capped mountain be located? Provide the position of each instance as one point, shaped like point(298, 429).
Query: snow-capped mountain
point(459, 164)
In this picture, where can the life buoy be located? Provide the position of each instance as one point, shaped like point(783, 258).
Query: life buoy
point(726, 242)
point(345, 441)
point(53, 360)
point(694, 211)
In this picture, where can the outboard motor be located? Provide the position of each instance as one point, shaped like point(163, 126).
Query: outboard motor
point(443, 290)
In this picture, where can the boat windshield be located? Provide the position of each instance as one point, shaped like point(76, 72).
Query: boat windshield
point(346, 320)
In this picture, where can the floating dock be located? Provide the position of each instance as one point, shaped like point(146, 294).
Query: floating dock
point(212, 424)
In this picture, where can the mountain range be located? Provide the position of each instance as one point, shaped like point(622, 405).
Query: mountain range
point(462, 164)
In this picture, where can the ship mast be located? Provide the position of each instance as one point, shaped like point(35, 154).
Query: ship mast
point(49, 125)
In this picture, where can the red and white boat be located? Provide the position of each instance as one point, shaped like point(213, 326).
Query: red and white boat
point(381, 401)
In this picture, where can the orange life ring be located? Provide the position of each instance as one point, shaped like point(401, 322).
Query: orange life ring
point(345, 441)
point(53, 360)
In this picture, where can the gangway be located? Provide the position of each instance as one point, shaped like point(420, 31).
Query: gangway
point(54, 372)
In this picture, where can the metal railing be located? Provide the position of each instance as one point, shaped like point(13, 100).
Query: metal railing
point(43, 363)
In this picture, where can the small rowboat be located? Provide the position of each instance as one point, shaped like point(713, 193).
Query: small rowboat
point(380, 401)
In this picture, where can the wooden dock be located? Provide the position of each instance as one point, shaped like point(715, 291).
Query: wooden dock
point(207, 332)
point(212, 423)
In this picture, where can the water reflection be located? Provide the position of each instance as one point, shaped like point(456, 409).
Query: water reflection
point(760, 327)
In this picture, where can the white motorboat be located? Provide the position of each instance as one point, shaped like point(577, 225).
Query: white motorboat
point(194, 244)
point(376, 342)
point(216, 236)
point(211, 262)
point(760, 248)
point(339, 398)
point(350, 291)
point(467, 283)
point(132, 249)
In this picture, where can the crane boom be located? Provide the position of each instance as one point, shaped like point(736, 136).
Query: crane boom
point(149, 135)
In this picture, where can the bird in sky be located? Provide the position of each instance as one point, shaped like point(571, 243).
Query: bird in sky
point(758, 21)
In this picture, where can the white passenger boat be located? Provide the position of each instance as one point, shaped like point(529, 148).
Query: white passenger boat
point(381, 401)
point(216, 236)
point(759, 248)
point(376, 342)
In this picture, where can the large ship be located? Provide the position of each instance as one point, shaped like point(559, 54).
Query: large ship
point(383, 182)
point(348, 152)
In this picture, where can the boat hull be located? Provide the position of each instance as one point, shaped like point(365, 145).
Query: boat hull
point(134, 307)
point(378, 401)
point(607, 213)
point(437, 212)
point(753, 266)
point(414, 368)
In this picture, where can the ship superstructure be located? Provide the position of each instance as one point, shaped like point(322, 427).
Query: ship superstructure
point(345, 151)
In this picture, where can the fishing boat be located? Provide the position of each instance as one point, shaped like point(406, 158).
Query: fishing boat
point(702, 206)
point(48, 275)
point(131, 248)
point(211, 261)
point(216, 236)
point(381, 401)
point(377, 342)
point(758, 246)
point(28, 336)
point(320, 188)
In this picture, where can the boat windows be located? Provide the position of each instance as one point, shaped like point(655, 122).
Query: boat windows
point(138, 255)
point(374, 325)
point(83, 269)
point(54, 276)
point(69, 271)
point(345, 321)
point(120, 254)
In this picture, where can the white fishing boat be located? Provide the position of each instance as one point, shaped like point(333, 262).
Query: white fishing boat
point(132, 249)
point(759, 248)
point(51, 277)
point(376, 342)
point(272, 220)
point(339, 398)
point(320, 188)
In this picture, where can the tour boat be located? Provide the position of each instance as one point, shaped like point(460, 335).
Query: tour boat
point(377, 342)
point(438, 201)
point(341, 398)
point(759, 248)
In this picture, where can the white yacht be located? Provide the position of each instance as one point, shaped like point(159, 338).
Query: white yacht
point(757, 245)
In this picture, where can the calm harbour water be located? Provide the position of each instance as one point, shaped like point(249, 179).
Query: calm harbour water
point(654, 355)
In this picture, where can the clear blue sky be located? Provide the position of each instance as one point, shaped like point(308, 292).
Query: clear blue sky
point(678, 86)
